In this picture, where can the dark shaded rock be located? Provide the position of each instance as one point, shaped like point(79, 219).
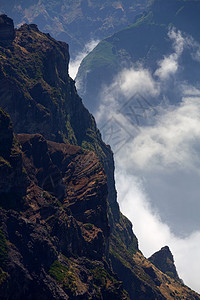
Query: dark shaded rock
point(7, 31)
point(6, 138)
point(13, 179)
point(164, 261)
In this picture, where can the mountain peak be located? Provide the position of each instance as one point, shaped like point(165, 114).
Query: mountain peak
point(164, 261)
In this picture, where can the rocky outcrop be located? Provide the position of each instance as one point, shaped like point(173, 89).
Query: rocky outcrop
point(7, 31)
point(164, 261)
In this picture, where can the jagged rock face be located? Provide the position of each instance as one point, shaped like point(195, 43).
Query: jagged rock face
point(7, 31)
point(53, 238)
point(164, 261)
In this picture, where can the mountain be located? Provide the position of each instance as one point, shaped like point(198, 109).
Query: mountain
point(145, 43)
point(62, 234)
point(76, 22)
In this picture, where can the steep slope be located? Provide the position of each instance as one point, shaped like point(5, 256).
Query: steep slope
point(76, 22)
point(65, 229)
point(144, 43)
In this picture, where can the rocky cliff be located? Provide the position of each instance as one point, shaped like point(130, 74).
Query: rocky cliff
point(60, 237)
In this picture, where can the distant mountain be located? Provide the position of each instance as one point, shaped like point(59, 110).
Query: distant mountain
point(144, 43)
point(75, 22)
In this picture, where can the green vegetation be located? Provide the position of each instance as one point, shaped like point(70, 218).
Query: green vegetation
point(103, 54)
point(103, 281)
point(58, 271)
point(102, 278)
point(64, 276)
point(70, 132)
point(145, 19)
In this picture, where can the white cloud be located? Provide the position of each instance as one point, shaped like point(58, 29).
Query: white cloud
point(187, 253)
point(173, 141)
point(189, 90)
point(139, 80)
point(194, 48)
point(178, 40)
point(126, 84)
point(169, 65)
point(75, 63)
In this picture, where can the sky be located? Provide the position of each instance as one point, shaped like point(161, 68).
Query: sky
point(157, 157)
